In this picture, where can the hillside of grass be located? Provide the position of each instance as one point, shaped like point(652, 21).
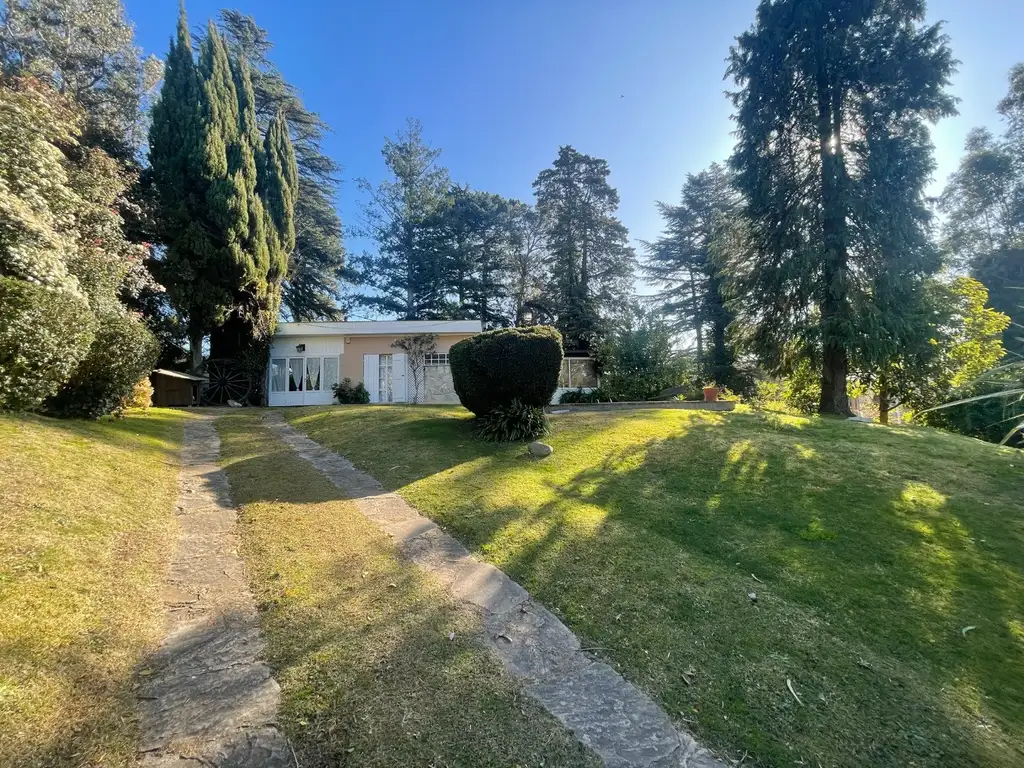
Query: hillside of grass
point(87, 522)
point(887, 566)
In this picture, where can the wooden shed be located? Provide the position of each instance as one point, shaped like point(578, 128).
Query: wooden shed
point(174, 388)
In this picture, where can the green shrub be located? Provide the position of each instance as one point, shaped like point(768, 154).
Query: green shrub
point(581, 395)
point(638, 362)
point(44, 334)
point(495, 368)
point(511, 423)
point(987, 419)
point(122, 351)
point(347, 393)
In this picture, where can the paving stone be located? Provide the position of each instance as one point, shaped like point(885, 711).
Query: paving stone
point(487, 587)
point(205, 698)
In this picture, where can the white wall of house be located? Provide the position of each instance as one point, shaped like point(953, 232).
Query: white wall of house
point(304, 369)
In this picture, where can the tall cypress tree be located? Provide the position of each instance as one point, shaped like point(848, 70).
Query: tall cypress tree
point(223, 162)
point(280, 188)
point(224, 254)
point(250, 320)
point(316, 268)
point(832, 109)
point(179, 144)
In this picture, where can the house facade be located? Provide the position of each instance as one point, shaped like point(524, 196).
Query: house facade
point(308, 359)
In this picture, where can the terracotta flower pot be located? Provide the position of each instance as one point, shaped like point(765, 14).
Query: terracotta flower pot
point(710, 394)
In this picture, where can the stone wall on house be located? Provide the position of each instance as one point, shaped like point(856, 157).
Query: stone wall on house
point(437, 387)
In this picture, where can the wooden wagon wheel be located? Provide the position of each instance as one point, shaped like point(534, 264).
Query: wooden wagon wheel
point(228, 381)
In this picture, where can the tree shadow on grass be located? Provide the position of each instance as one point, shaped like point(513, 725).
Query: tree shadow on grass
point(863, 586)
point(869, 550)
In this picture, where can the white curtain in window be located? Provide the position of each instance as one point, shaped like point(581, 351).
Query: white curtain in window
point(330, 373)
point(278, 375)
point(312, 374)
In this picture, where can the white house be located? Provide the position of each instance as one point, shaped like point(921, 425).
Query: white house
point(308, 359)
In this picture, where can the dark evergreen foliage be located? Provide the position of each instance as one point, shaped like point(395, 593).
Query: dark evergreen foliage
point(225, 253)
point(316, 268)
point(496, 367)
point(832, 157)
point(405, 272)
point(591, 264)
point(683, 263)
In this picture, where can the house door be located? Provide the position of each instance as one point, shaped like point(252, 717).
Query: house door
point(384, 377)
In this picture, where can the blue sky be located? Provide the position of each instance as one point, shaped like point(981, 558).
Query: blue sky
point(500, 85)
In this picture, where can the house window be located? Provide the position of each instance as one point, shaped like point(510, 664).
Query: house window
point(582, 373)
point(330, 373)
point(312, 374)
point(384, 373)
point(295, 365)
point(278, 375)
point(435, 358)
point(578, 372)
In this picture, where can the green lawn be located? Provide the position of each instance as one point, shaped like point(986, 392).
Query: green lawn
point(359, 639)
point(87, 522)
point(871, 551)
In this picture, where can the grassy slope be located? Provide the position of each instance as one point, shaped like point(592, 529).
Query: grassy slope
point(87, 519)
point(872, 547)
point(359, 640)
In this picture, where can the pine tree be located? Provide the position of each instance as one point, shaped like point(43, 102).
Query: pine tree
point(406, 273)
point(682, 263)
point(527, 261)
point(591, 262)
point(471, 238)
point(832, 107)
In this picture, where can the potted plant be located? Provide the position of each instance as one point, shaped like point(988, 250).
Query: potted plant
point(710, 393)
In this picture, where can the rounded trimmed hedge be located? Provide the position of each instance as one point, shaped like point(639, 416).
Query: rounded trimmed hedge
point(494, 368)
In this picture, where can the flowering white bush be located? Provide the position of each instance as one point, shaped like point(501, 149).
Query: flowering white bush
point(63, 258)
point(44, 334)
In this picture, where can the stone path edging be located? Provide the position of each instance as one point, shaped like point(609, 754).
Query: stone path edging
point(205, 698)
point(606, 713)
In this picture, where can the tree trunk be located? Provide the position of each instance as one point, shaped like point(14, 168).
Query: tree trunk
point(195, 346)
point(698, 325)
point(884, 400)
point(834, 399)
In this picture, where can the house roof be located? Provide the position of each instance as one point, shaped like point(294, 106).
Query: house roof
point(378, 327)
point(178, 375)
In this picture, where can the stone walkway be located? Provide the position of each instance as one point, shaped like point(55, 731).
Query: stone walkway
point(608, 714)
point(206, 699)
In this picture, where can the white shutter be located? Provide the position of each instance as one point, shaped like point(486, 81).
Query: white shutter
point(399, 378)
point(371, 376)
